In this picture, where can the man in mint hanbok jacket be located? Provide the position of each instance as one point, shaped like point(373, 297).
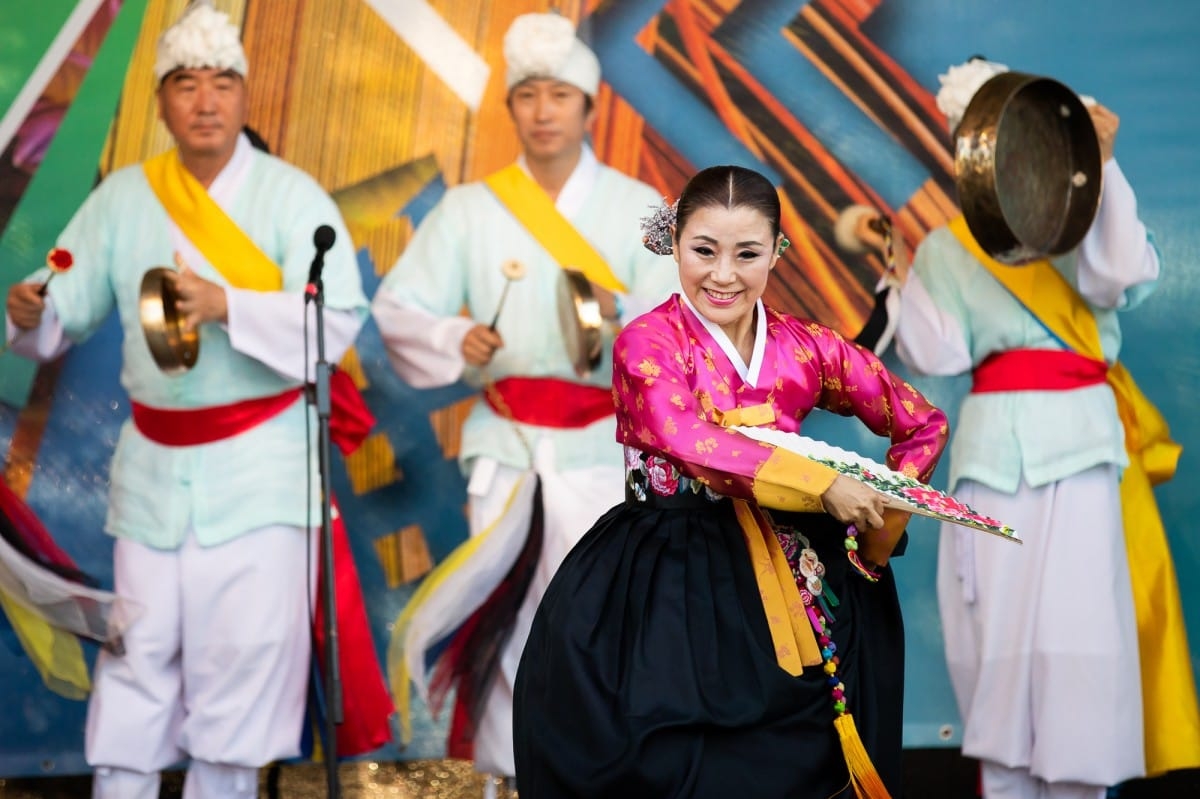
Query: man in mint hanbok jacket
point(207, 502)
point(1065, 683)
point(540, 445)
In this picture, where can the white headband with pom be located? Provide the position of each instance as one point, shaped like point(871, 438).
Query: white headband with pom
point(545, 46)
point(959, 85)
point(202, 38)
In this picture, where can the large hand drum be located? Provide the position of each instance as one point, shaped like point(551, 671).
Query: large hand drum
point(580, 320)
point(1027, 168)
point(174, 347)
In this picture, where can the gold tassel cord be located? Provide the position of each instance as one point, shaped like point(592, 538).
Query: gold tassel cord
point(863, 777)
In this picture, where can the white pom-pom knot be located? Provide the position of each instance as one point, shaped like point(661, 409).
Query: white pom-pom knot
point(202, 38)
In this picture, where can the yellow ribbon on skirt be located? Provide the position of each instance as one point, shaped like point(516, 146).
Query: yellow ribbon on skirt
point(793, 637)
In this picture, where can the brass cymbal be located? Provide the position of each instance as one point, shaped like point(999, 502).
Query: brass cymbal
point(581, 322)
point(175, 349)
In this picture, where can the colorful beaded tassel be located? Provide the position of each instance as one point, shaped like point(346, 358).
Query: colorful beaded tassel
point(851, 543)
point(809, 573)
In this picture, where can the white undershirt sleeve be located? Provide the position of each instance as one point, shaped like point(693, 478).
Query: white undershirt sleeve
point(269, 327)
point(423, 348)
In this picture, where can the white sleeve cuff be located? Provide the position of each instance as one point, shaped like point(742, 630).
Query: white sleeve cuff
point(270, 326)
point(423, 348)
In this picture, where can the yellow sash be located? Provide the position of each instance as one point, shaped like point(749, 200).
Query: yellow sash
point(534, 209)
point(1171, 717)
point(206, 225)
point(55, 653)
point(791, 633)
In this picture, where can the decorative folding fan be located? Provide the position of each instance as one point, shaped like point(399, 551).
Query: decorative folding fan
point(899, 490)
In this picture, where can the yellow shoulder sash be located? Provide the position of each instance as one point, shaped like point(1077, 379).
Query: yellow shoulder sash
point(1061, 310)
point(534, 209)
point(223, 243)
point(1054, 303)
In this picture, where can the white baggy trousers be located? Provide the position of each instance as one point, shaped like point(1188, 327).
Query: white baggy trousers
point(215, 668)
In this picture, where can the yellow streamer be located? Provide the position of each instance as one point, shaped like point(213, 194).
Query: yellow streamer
point(55, 653)
point(398, 674)
point(1171, 717)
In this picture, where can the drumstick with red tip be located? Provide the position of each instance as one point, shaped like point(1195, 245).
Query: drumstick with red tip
point(58, 260)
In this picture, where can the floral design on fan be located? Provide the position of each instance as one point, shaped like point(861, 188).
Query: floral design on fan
point(901, 489)
point(917, 493)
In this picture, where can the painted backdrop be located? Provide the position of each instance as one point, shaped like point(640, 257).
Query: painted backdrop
point(388, 102)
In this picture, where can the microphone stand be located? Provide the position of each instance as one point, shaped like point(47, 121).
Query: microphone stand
point(331, 670)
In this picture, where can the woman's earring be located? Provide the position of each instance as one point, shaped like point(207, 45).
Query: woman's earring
point(783, 245)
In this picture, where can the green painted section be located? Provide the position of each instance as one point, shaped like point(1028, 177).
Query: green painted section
point(25, 35)
point(68, 171)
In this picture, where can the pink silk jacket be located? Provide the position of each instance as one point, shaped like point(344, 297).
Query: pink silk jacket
point(677, 395)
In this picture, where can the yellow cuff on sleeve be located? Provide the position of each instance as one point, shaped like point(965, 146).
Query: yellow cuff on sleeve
point(875, 546)
point(787, 481)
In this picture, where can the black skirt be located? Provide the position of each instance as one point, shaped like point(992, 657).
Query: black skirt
point(650, 671)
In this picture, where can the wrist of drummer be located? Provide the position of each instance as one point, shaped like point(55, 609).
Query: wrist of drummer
point(618, 312)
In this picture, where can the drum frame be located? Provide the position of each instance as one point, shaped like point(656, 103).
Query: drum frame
point(1027, 168)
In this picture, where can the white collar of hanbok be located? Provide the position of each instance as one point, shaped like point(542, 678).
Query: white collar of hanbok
point(750, 373)
point(225, 185)
point(578, 187)
point(224, 191)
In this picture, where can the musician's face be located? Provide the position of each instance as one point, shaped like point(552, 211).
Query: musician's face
point(724, 257)
point(204, 109)
point(552, 118)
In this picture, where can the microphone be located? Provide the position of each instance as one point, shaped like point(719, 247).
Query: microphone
point(323, 238)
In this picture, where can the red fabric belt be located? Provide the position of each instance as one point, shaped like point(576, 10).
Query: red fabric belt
point(549, 401)
point(367, 703)
point(350, 419)
point(1037, 370)
point(174, 427)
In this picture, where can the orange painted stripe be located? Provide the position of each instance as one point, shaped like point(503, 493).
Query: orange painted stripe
point(900, 77)
point(933, 143)
point(697, 46)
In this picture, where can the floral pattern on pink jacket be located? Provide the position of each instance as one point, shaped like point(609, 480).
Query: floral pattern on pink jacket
point(676, 395)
